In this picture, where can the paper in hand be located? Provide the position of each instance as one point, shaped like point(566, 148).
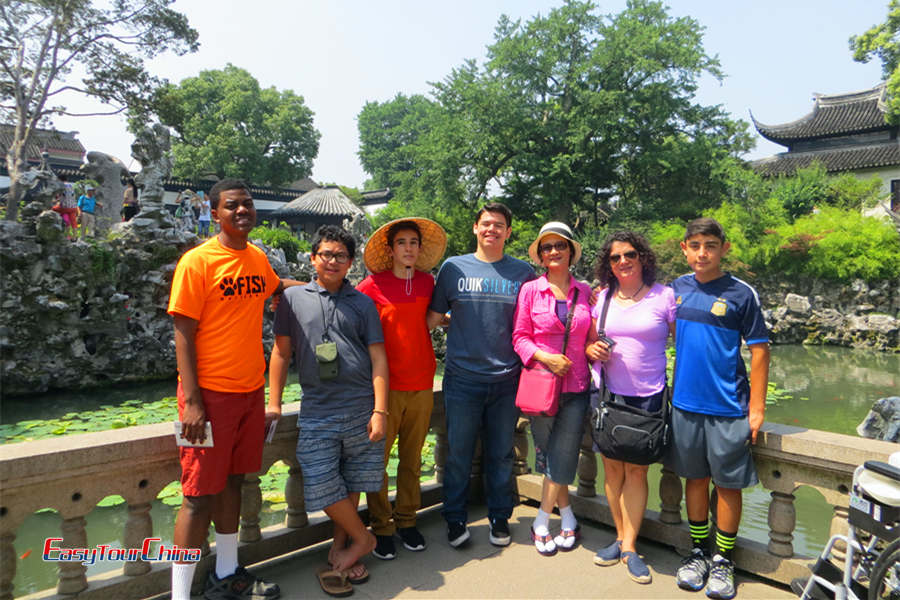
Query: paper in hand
point(180, 440)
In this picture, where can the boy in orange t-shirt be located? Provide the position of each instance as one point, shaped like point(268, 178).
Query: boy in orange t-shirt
point(399, 255)
point(218, 293)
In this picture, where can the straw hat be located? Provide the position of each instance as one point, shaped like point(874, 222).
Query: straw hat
point(560, 229)
point(434, 243)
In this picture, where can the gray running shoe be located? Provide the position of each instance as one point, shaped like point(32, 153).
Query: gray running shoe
point(721, 579)
point(694, 570)
point(241, 585)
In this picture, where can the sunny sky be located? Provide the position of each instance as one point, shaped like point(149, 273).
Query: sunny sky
point(339, 54)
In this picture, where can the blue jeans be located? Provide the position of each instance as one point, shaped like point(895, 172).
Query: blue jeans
point(488, 409)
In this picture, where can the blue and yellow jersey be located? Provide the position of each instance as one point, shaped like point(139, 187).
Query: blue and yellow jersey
point(712, 319)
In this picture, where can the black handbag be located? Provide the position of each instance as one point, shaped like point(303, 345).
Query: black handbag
point(622, 432)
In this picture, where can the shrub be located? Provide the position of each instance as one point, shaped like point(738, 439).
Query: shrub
point(280, 238)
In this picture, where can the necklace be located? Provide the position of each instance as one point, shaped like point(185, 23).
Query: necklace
point(631, 297)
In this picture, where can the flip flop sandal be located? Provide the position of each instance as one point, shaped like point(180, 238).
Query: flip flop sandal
point(562, 540)
point(362, 578)
point(544, 540)
point(334, 583)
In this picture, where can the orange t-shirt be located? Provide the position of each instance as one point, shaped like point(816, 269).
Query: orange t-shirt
point(225, 291)
point(406, 337)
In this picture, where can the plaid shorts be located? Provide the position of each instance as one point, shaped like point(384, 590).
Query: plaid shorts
point(337, 458)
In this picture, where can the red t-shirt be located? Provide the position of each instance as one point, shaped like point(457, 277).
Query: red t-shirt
point(406, 337)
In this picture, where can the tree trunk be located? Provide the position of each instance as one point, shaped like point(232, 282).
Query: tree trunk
point(15, 162)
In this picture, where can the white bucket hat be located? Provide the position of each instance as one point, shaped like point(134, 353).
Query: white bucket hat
point(560, 229)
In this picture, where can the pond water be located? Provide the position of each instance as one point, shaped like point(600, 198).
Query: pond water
point(832, 389)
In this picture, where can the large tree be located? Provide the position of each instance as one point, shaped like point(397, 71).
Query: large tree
point(43, 42)
point(883, 41)
point(574, 112)
point(226, 124)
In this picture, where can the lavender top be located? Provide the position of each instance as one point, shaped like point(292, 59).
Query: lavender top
point(637, 363)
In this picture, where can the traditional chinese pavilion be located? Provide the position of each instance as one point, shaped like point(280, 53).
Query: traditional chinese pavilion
point(844, 132)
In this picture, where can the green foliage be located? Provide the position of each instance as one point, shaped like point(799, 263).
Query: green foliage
point(569, 110)
point(103, 44)
point(281, 238)
point(883, 41)
point(79, 187)
point(226, 125)
point(104, 259)
point(838, 245)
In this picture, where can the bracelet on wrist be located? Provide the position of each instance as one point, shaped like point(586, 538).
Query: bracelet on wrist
point(379, 411)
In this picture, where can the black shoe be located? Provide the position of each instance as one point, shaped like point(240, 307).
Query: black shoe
point(241, 584)
point(499, 532)
point(384, 547)
point(412, 539)
point(457, 533)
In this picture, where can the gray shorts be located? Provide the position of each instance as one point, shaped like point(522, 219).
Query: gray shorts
point(711, 446)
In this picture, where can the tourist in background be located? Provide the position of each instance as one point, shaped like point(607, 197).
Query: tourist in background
point(203, 221)
point(540, 320)
point(641, 317)
point(400, 255)
point(67, 207)
point(129, 200)
point(87, 207)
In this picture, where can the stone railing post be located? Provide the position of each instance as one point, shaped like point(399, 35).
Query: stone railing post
point(839, 525)
point(587, 465)
point(670, 494)
point(72, 575)
point(138, 527)
point(7, 565)
point(520, 447)
point(295, 513)
point(251, 504)
point(782, 521)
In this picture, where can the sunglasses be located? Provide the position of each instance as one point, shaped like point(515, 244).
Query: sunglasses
point(630, 255)
point(558, 246)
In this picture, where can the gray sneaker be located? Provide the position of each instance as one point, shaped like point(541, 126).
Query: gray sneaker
point(721, 579)
point(694, 570)
point(241, 585)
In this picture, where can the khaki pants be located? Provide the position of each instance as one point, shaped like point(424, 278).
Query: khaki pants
point(88, 220)
point(410, 414)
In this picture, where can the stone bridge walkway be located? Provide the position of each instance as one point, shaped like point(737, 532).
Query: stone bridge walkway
point(480, 570)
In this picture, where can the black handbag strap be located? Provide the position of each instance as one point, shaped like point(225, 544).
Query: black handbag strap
point(601, 324)
point(569, 316)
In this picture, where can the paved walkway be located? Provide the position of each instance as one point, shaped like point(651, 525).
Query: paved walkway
point(480, 570)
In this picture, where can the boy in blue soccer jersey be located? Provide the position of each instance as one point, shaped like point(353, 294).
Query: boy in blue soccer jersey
point(717, 410)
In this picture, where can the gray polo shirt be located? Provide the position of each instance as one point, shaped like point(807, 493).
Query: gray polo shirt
point(353, 325)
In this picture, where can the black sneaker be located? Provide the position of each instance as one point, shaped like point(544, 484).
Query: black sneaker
point(240, 585)
point(457, 533)
point(384, 547)
point(499, 532)
point(412, 539)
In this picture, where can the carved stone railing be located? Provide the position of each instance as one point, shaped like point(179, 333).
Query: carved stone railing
point(786, 458)
point(71, 474)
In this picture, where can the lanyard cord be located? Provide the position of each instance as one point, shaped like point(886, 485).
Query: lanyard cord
point(325, 320)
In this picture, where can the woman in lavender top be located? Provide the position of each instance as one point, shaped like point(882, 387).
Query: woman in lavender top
point(641, 317)
point(542, 310)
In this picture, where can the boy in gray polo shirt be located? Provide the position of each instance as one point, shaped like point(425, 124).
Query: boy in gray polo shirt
point(336, 334)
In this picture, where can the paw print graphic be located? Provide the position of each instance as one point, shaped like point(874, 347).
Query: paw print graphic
point(227, 286)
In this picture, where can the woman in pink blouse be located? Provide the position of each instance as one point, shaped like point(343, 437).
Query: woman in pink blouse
point(640, 319)
point(538, 332)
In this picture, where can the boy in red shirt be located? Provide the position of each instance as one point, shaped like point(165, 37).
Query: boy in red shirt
point(399, 255)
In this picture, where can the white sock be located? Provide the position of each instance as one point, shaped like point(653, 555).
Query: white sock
point(226, 554)
point(182, 576)
point(541, 523)
point(568, 518)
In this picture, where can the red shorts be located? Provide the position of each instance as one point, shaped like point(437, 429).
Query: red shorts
point(238, 423)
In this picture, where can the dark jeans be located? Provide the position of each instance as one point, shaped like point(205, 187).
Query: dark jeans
point(487, 409)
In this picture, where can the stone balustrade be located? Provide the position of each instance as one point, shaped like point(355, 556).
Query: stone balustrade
point(786, 458)
point(72, 474)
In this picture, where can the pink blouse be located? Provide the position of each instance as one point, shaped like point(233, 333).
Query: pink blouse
point(536, 327)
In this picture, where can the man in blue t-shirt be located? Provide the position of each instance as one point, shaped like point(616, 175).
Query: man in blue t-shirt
point(481, 370)
point(87, 206)
point(718, 410)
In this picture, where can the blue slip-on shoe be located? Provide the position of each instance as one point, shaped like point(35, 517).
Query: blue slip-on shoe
point(606, 557)
point(637, 568)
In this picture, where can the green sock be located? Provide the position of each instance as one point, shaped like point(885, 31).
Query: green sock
point(725, 543)
point(699, 534)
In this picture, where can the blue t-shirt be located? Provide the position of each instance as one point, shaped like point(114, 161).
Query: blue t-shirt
point(482, 299)
point(711, 319)
point(353, 325)
point(87, 204)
